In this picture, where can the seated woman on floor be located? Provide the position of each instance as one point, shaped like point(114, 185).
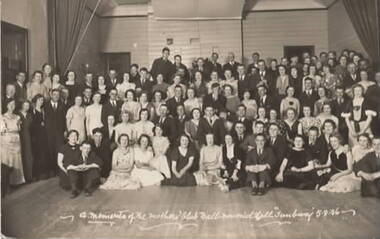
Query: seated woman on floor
point(182, 159)
point(160, 147)
point(210, 163)
point(340, 162)
point(369, 170)
point(144, 171)
point(296, 170)
point(233, 171)
point(122, 165)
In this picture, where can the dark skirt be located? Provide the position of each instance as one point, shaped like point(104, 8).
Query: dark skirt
point(186, 180)
point(300, 180)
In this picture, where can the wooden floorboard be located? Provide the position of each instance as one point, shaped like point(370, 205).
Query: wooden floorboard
point(43, 210)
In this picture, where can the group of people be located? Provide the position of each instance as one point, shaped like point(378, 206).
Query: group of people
point(309, 122)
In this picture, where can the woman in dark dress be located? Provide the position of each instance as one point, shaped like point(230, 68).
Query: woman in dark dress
point(232, 171)
point(296, 170)
point(182, 159)
point(71, 86)
point(26, 144)
point(39, 139)
point(292, 125)
point(70, 150)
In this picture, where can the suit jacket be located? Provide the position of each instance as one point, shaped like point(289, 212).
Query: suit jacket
point(338, 109)
point(147, 86)
point(245, 83)
point(180, 125)
point(20, 92)
point(348, 81)
point(232, 67)
point(320, 150)
point(55, 120)
point(108, 109)
point(247, 123)
point(268, 104)
point(111, 84)
point(267, 157)
point(280, 148)
point(92, 158)
point(307, 100)
point(87, 103)
point(217, 129)
point(172, 105)
point(164, 67)
point(218, 104)
point(214, 67)
point(167, 128)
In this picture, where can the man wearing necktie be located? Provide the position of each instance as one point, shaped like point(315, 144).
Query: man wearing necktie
point(86, 169)
point(259, 161)
point(55, 123)
point(368, 169)
point(111, 107)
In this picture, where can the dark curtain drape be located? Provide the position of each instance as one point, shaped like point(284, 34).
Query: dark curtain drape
point(364, 18)
point(66, 20)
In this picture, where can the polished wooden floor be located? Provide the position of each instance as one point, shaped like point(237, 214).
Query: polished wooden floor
point(42, 210)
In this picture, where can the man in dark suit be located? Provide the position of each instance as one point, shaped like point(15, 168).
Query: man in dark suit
point(112, 79)
point(111, 107)
point(265, 100)
point(211, 124)
point(259, 162)
point(55, 124)
point(202, 69)
point(244, 81)
point(352, 77)
point(263, 77)
point(279, 146)
point(87, 83)
point(255, 62)
point(240, 116)
point(20, 86)
point(144, 84)
point(339, 105)
point(213, 65)
point(180, 68)
point(166, 122)
point(239, 134)
point(87, 96)
point(373, 95)
point(308, 97)
point(231, 64)
point(173, 102)
point(163, 65)
point(134, 73)
point(179, 120)
point(85, 169)
point(216, 100)
point(101, 147)
point(368, 169)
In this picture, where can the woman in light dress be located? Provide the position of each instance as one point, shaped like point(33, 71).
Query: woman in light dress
point(75, 118)
point(47, 77)
point(326, 114)
point(210, 163)
point(10, 143)
point(122, 165)
point(308, 121)
point(160, 146)
point(36, 87)
point(125, 85)
point(289, 102)
point(364, 80)
point(350, 182)
point(191, 102)
point(146, 104)
point(56, 82)
point(250, 104)
point(131, 106)
point(125, 127)
point(143, 170)
point(143, 126)
point(93, 114)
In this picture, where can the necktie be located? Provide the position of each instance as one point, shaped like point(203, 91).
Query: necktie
point(55, 106)
point(113, 104)
point(259, 152)
point(262, 101)
point(273, 140)
point(161, 120)
point(85, 159)
point(210, 121)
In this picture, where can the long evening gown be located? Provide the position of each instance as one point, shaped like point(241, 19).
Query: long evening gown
point(26, 146)
point(145, 175)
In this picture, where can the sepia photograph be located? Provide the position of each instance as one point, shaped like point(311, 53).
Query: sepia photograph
point(197, 119)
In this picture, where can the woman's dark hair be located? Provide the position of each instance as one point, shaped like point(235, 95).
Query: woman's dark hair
point(46, 64)
point(338, 136)
point(122, 135)
point(37, 72)
point(144, 110)
point(133, 92)
point(144, 136)
point(366, 135)
point(68, 72)
point(71, 132)
point(328, 121)
point(36, 97)
point(155, 127)
point(179, 139)
point(194, 109)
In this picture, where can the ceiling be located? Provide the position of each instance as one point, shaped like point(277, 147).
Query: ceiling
point(200, 9)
